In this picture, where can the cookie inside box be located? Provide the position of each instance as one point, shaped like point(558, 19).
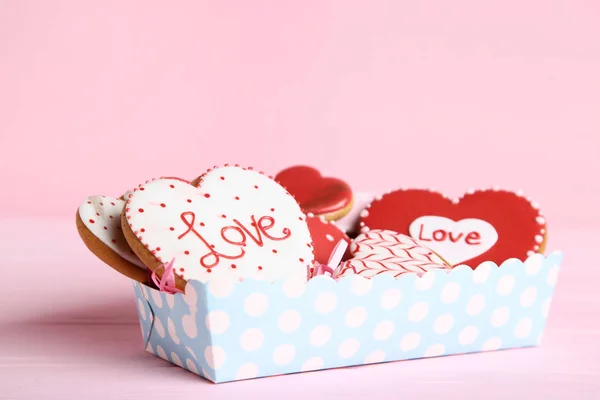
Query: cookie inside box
point(227, 331)
point(239, 275)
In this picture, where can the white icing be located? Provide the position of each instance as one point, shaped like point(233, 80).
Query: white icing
point(387, 252)
point(349, 222)
point(390, 243)
point(100, 209)
point(258, 196)
point(455, 247)
point(540, 220)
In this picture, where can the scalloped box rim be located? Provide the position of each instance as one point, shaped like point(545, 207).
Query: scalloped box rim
point(338, 283)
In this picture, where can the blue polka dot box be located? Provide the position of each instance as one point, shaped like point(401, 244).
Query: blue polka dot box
point(255, 329)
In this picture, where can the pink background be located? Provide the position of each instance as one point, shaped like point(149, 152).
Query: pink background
point(96, 97)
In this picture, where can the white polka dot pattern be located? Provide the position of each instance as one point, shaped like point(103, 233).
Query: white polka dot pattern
point(256, 329)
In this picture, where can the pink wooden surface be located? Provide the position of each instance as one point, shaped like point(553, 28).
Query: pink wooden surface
point(69, 329)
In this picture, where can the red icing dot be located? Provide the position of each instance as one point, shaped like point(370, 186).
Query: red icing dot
point(237, 165)
point(186, 252)
point(141, 210)
point(189, 200)
point(300, 218)
point(89, 202)
point(91, 221)
point(172, 186)
point(127, 209)
point(98, 214)
point(142, 230)
point(272, 209)
point(209, 270)
point(201, 223)
point(274, 251)
point(237, 198)
point(102, 204)
point(114, 241)
point(212, 245)
point(112, 203)
point(233, 266)
point(181, 269)
point(255, 187)
point(153, 251)
point(142, 189)
point(159, 259)
point(158, 249)
point(207, 195)
point(171, 228)
point(223, 216)
point(105, 228)
point(163, 205)
point(110, 216)
point(259, 268)
point(301, 259)
point(222, 178)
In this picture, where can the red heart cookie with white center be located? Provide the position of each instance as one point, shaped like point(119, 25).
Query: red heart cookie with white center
point(485, 225)
point(237, 223)
point(386, 252)
point(328, 197)
point(99, 225)
point(325, 235)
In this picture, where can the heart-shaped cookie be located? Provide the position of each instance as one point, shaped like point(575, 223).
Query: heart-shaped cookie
point(325, 235)
point(386, 252)
point(237, 223)
point(328, 197)
point(98, 222)
point(484, 225)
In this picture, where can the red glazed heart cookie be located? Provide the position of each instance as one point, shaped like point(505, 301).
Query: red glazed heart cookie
point(323, 196)
point(98, 222)
point(237, 223)
point(325, 235)
point(485, 225)
point(386, 252)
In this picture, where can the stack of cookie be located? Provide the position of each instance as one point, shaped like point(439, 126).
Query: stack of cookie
point(237, 223)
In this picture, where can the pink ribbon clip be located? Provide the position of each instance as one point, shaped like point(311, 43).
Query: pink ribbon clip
point(334, 260)
point(167, 282)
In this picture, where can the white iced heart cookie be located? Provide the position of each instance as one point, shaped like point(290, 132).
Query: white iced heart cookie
point(237, 223)
point(457, 241)
point(99, 226)
point(386, 252)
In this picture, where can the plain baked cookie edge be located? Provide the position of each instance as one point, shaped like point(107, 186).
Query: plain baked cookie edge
point(107, 255)
point(144, 254)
